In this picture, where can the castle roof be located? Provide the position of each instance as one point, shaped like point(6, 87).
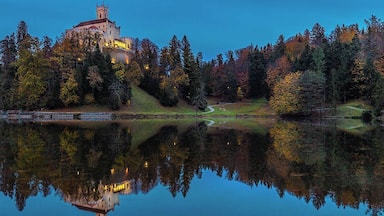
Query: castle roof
point(93, 22)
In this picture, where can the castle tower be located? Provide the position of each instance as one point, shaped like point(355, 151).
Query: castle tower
point(102, 12)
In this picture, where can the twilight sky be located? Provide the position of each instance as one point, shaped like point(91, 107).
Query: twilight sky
point(212, 26)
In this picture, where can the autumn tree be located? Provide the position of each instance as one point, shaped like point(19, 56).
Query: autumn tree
point(360, 81)
point(242, 67)
point(295, 46)
point(286, 95)
point(95, 80)
point(32, 70)
point(169, 85)
point(277, 71)
point(69, 90)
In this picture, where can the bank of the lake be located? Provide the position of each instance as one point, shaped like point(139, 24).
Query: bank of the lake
point(144, 106)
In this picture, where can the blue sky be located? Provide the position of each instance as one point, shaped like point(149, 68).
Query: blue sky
point(212, 26)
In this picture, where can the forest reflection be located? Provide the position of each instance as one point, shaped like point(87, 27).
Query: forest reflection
point(88, 163)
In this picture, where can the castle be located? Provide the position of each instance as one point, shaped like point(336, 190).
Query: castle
point(108, 33)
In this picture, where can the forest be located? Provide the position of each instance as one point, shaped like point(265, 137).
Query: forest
point(300, 75)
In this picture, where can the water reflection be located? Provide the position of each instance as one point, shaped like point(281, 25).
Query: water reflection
point(91, 166)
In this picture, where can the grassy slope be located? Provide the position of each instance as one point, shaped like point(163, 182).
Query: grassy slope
point(352, 108)
point(142, 102)
point(257, 107)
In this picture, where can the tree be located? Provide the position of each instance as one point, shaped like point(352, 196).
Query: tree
point(22, 33)
point(277, 71)
point(257, 74)
point(311, 95)
point(31, 75)
point(94, 78)
point(229, 88)
point(279, 49)
point(190, 68)
point(174, 52)
point(304, 62)
point(200, 100)
point(372, 77)
point(169, 86)
point(8, 52)
point(47, 47)
point(126, 76)
point(318, 60)
point(69, 91)
point(242, 67)
point(318, 35)
point(286, 98)
point(360, 81)
point(31, 90)
point(378, 93)
point(116, 95)
point(374, 38)
point(150, 67)
point(104, 65)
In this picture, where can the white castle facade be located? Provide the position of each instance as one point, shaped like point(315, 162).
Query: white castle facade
point(108, 33)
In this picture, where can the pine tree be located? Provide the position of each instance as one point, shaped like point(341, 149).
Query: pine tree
point(278, 49)
point(190, 68)
point(305, 60)
point(257, 74)
point(318, 35)
point(318, 60)
point(174, 51)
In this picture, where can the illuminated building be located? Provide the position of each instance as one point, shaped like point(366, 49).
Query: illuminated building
point(108, 198)
point(105, 32)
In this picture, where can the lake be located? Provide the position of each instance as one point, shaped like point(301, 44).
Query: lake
point(191, 167)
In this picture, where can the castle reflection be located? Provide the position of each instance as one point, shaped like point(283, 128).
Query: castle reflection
point(108, 198)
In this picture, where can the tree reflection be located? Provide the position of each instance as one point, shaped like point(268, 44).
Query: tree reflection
point(312, 161)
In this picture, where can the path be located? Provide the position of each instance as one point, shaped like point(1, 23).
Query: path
point(355, 108)
point(210, 109)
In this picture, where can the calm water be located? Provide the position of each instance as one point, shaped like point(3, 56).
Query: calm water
point(182, 168)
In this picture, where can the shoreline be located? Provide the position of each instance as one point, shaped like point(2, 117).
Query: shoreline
point(19, 115)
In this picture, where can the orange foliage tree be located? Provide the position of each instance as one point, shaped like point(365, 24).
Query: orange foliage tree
point(285, 99)
point(277, 71)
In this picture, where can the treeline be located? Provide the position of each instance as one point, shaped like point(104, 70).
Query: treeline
point(312, 71)
point(300, 75)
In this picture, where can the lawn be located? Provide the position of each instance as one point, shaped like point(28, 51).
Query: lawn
point(353, 109)
point(258, 107)
point(142, 102)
